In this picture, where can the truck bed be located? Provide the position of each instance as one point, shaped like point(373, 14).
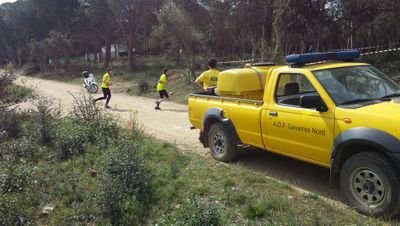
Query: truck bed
point(244, 113)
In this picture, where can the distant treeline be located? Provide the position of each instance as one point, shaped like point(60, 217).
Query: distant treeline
point(43, 31)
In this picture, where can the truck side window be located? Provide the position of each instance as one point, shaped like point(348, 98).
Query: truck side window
point(291, 87)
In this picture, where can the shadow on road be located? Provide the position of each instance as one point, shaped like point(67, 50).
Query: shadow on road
point(173, 110)
point(119, 110)
point(297, 173)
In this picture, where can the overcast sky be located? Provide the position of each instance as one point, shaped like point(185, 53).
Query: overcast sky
point(3, 1)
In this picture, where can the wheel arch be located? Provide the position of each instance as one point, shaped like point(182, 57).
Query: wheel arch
point(216, 115)
point(358, 140)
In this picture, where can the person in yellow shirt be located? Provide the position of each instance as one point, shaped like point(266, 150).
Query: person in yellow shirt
point(105, 86)
point(208, 78)
point(161, 89)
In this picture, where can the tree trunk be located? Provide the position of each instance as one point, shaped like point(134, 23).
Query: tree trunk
point(131, 57)
point(100, 53)
point(107, 56)
point(116, 51)
point(67, 63)
point(263, 31)
point(192, 68)
point(19, 57)
point(55, 63)
point(254, 46)
point(263, 43)
point(280, 8)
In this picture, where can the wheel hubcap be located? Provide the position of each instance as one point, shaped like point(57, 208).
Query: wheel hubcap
point(367, 187)
point(219, 143)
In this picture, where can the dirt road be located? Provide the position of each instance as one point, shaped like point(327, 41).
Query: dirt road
point(171, 125)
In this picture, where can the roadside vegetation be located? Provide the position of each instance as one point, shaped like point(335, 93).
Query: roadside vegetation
point(83, 168)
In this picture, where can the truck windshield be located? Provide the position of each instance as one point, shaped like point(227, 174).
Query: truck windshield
point(357, 84)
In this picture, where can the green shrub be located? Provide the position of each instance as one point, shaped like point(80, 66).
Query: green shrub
point(143, 86)
point(10, 125)
point(71, 139)
point(84, 110)
point(103, 131)
point(265, 206)
point(19, 94)
point(125, 192)
point(101, 128)
point(14, 177)
point(18, 150)
point(196, 213)
point(15, 210)
point(45, 117)
point(11, 94)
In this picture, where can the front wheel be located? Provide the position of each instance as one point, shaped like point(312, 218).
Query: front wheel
point(221, 144)
point(371, 184)
point(93, 88)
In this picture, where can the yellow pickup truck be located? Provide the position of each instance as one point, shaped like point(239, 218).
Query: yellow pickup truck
point(322, 108)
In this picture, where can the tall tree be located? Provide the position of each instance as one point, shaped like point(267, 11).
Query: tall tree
point(132, 17)
point(103, 23)
point(176, 31)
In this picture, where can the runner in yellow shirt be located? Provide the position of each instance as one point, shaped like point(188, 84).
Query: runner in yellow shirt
point(208, 78)
point(105, 86)
point(161, 89)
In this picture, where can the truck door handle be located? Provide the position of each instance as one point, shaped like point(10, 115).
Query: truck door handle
point(273, 113)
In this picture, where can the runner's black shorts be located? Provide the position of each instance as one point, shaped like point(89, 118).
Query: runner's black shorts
point(163, 93)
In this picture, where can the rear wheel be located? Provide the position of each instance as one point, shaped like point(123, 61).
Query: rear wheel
point(221, 144)
point(93, 88)
point(371, 184)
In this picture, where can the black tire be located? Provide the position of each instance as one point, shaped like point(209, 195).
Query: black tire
point(93, 88)
point(371, 183)
point(221, 144)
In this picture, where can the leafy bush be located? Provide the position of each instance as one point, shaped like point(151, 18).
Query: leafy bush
point(14, 177)
point(101, 128)
point(103, 131)
point(19, 150)
point(11, 94)
point(10, 125)
point(19, 94)
point(45, 118)
point(143, 86)
point(125, 192)
point(71, 139)
point(6, 80)
point(84, 110)
point(15, 210)
point(197, 213)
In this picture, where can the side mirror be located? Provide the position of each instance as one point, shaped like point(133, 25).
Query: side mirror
point(313, 102)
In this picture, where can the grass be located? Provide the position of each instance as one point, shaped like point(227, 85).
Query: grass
point(234, 190)
point(179, 184)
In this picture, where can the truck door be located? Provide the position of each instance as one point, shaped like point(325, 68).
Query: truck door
point(292, 127)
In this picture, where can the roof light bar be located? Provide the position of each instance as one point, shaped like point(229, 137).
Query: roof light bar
point(316, 57)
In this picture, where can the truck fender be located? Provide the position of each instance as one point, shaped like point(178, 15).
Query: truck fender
point(216, 115)
point(381, 141)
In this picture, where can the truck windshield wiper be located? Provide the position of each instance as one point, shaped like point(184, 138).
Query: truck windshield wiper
point(355, 101)
point(391, 95)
